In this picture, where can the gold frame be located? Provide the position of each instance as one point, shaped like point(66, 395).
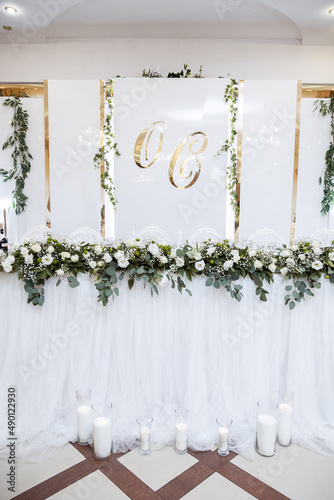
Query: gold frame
point(239, 153)
point(296, 162)
point(31, 89)
point(102, 143)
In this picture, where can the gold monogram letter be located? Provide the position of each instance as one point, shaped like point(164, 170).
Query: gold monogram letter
point(146, 134)
point(184, 163)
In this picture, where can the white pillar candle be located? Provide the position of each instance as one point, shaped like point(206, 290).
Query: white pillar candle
point(145, 439)
point(181, 436)
point(266, 434)
point(84, 421)
point(102, 437)
point(284, 424)
point(223, 438)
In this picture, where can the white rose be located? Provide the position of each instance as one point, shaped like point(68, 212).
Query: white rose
point(119, 255)
point(75, 258)
point(196, 255)
point(100, 263)
point(98, 249)
point(258, 264)
point(284, 271)
point(7, 266)
point(107, 257)
point(163, 280)
point(65, 255)
point(60, 272)
point(317, 251)
point(92, 264)
point(272, 267)
point(163, 259)
point(29, 259)
point(200, 265)
point(179, 261)
point(210, 251)
point(123, 262)
point(50, 249)
point(47, 260)
point(10, 259)
point(228, 264)
point(235, 255)
point(251, 252)
point(331, 256)
point(24, 251)
point(315, 244)
point(285, 253)
point(130, 243)
point(290, 261)
point(153, 249)
point(294, 248)
point(36, 247)
point(301, 257)
point(317, 265)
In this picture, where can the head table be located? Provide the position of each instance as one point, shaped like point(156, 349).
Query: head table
point(147, 355)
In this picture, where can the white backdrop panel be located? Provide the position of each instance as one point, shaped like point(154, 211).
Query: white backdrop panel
point(314, 141)
point(35, 212)
point(267, 157)
point(74, 121)
point(145, 195)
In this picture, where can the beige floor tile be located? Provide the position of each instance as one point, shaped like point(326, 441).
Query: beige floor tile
point(217, 487)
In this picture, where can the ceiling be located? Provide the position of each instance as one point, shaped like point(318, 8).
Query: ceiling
point(44, 21)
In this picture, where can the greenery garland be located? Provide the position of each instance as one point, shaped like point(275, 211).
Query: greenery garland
point(327, 108)
point(223, 264)
point(102, 156)
point(20, 156)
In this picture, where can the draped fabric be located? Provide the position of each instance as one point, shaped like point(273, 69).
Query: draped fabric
point(148, 355)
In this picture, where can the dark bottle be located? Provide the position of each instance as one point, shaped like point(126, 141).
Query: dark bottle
point(3, 240)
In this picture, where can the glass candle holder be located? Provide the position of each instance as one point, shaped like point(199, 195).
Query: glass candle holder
point(266, 430)
point(102, 435)
point(224, 428)
point(144, 424)
point(181, 431)
point(84, 416)
point(285, 413)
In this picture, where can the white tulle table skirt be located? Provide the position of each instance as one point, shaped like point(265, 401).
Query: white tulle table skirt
point(206, 352)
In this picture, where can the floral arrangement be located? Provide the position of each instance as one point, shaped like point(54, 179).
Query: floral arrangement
point(221, 264)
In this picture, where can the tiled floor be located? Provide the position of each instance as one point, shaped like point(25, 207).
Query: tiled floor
point(74, 474)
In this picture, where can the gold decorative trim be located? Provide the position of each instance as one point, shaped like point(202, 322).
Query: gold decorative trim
point(102, 143)
point(296, 162)
point(47, 154)
point(239, 153)
point(5, 222)
point(31, 89)
point(317, 91)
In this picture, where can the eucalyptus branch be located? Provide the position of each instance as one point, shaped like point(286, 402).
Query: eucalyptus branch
point(20, 156)
point(327, 108)
point(102, 156)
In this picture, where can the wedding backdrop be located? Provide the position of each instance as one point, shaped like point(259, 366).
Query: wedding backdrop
point(166, 149)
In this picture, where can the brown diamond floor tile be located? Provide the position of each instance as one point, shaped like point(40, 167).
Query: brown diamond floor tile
point(185, 482)
point(212, 459)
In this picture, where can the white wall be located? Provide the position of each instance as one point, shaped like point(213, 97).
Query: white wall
point(128, 57)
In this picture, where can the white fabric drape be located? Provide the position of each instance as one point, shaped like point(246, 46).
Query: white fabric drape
point(206, 352)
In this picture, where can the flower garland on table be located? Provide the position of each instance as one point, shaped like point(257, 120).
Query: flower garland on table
point(223, 264)
point(21, 155)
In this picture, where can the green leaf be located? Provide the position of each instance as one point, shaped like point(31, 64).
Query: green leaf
point(209, 282)
point(73, 282)
point(288, 288)
point(216, 284)
point(108, 292)
point(292, 305)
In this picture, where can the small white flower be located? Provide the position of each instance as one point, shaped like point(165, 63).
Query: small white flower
point(98, 249)
point(100, 263)
point(331, 256)
point(317, 251)
point(131, 243)
point(272, 267)
point(153, 249)
point(173, 253)
point(163, 259)
point(163, 280)
point(200, 265)
point(107, 257)
point(301, 256)
point(92, 264)
point(228, 264)
point(50, 249)
point(65, 255)
point(210, 251)
point(47, 260)
point(235, 256)
point(294, 248)
point(60, 272)
point(315, 244)
point(317, 265)
point(179, 261)
point(36, 247)
point(10, 259)
point(196, 255)
point(290, 261)
point(123, 262)
point(28, 259)
point(258, 264)
point(285, 253)
point(284, 271)
point(24, 251)
point(7, 267)
point(252, 252)
point(75, 258)
point(119, 255)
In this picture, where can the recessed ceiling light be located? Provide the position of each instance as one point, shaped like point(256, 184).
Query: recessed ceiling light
point(11, 10)
point(7, 28)
point(332, 12)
